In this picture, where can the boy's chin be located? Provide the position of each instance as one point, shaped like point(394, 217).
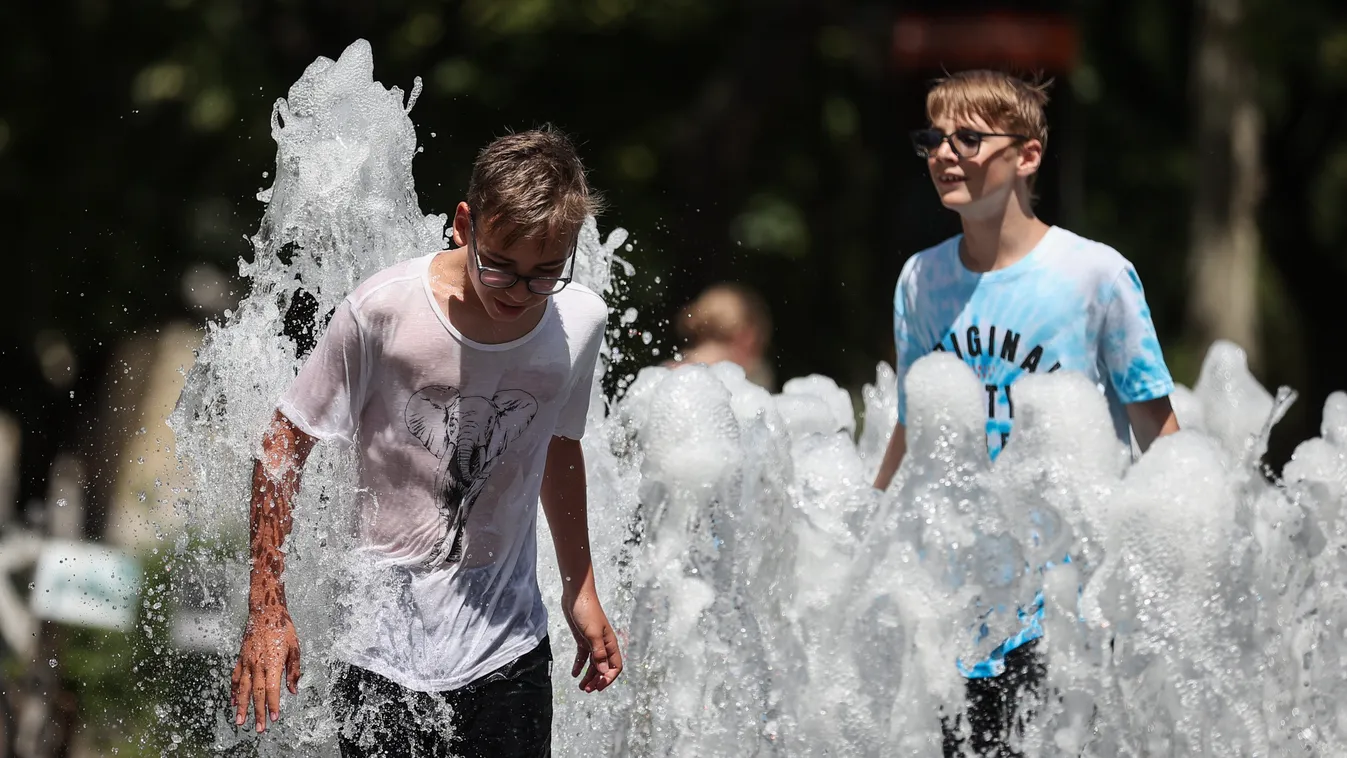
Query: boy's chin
point(956, 199)
point(503, 312)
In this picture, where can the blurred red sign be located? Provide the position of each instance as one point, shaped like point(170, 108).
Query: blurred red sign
point(1019, 40)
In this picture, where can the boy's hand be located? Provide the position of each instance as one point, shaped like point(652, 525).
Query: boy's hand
point(270, 650)
point(595, 641)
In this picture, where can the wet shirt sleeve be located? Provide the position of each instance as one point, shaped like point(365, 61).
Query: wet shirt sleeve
point(571, 419)
point(327, 396)
point(1130, 349)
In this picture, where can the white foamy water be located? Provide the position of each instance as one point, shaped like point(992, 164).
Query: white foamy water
point(770, 601)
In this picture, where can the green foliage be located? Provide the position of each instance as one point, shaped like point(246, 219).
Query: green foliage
point(756, 140)
point(135, 691)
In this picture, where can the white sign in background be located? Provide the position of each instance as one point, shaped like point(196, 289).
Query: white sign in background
point(86, 584)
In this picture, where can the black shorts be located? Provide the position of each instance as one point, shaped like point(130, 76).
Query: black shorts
point(998, 706)
point(506, 713)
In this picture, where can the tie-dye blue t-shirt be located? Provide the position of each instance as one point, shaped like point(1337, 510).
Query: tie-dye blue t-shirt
point(1071, 304)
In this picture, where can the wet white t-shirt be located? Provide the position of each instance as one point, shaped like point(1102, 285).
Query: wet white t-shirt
point(452, 438)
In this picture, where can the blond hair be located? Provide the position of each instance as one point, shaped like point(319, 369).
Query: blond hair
point(532, 183)
point(721, 312)
point(1007, 103)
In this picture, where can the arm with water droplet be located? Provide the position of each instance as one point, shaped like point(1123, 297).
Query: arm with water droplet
point(566, 506)
point(270, 647)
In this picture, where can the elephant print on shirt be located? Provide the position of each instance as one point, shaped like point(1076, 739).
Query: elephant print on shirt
point(468, 434)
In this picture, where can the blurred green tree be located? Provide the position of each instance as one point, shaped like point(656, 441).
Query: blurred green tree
point(759, 140)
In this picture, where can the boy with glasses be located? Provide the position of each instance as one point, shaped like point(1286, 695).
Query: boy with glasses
point(463, 379)
point(1013, 296)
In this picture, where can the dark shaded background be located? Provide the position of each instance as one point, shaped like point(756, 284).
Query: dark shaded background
point(760, 141)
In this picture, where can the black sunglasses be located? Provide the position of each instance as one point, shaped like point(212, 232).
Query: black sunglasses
point(964, 142)
point(500, 279)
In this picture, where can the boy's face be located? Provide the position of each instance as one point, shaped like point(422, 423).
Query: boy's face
point(527, 257)
point(979, 182)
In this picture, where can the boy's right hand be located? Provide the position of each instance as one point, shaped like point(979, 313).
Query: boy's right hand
point(270, 650)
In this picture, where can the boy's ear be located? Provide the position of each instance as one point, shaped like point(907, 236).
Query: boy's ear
point(462, 221)
point(1031, 157)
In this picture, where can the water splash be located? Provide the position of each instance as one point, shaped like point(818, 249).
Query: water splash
point(771, 602)
point(342, 206)
point(1199, 615)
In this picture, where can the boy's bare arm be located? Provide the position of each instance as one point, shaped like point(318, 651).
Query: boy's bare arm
point(893, 457)
point(565, 505)
point(270, 647)
point(1151, 420)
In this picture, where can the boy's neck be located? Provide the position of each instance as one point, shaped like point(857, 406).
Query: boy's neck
point(1000, 240)
point(456, 298)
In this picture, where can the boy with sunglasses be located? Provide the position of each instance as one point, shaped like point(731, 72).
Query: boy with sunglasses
point(1013, 296)
point(463, 379)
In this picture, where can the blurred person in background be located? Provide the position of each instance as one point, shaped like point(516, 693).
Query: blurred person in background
point(728, 322)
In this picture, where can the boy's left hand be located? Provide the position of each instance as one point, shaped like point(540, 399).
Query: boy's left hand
point(595, 641)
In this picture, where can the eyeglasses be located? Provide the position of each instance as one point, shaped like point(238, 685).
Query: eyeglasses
point(500, 279)
point(964, 142)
